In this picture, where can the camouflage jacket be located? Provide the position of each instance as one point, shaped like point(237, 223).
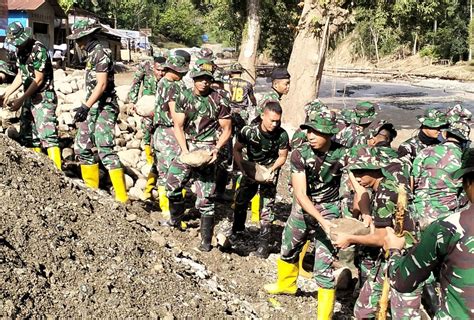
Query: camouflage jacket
point(166, 92)
point(323, 170)
point(269, 96)
point(202, 114)
point(351, 135)
point(98, 61)
point(436, 192)
point(263, 147)
point(446, 247)
point(298, 138)
point(408, 150)
point(37, 59)
point(240, 91)
point(144, 75)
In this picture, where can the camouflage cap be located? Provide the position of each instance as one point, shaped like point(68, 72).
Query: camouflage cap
point(176, 63)
point(314, 108)
point(206, 54)
point(219, 76)
point(374, 160)
point(82, 28)
point(374, 129)
point(458, 110)
point(184, 54)
point(17, 34)
point(4, 68)
point(236, 68)
point(433, 118)
point(348, 116)
point(324, 122)
point(364, 113)
point(459, 128)
point(467, 162)
point(202, 67)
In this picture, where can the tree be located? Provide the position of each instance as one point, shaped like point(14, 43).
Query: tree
point(318, 22)
point(250, 40)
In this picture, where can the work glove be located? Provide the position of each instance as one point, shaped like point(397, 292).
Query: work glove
point(81, 113)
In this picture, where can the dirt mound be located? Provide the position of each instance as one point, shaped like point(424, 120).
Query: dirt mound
point(66, 252)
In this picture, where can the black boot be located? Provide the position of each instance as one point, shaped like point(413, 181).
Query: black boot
point(430, 299)
point(221, 182)
point(207, 230)
point(240, 216)
point(263, 250)
point(176, 214)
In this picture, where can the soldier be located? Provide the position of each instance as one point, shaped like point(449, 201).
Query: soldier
point(198, 115)
point(379, 209)
point(97, 116)
point(444, 248)
point(147, 74)
point(6, 75)
point(431, 124)
point(280, 86)
point(382, 134)
point(39, 124)
point(437, 193)
point(267, 145)
point(165, 144)
point(312, 110)
point(361, 117)
point(316, 168)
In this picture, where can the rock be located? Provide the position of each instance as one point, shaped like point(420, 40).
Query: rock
point(139, 135)
point(65, 107)
point(133, 172)
point(141, 183)
point(75, 98)
point(158, 238)
point(120, 142)
point(68, 154)
point(66, 118)
point(59, 74)
point(123, 126)
point(128, 182)
point(130, 157)
point(145, 105)
point(133, 144)
point(65, 88)
point(74, 85)
point(12, 133)
point(145, 169)
point(135, 193)
point(122, 92)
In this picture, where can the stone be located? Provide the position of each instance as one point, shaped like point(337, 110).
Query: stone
point(129, 157)
point(66, 118)
point(135, 193)
point(12, 133)
point(75, 98)
point(59, 74)
point(128, 182)
point(74, 85)
point(65, 88)
point(140, 183)
point(146, 105)
point(68, 154)
point(133, 144)
point(122, 92)
point(145, 169)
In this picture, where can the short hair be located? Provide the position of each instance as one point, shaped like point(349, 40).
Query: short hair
point(273, 106)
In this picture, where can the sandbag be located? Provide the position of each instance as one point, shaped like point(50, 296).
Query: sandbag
point(146, 105)
point(349, 226)
point(196, 158)
point(257, 172)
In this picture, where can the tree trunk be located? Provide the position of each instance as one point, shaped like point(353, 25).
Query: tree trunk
point(250, 39)
point(307, 57)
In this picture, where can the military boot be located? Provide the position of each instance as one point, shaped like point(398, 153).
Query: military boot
point(221, 183)
point(326, 299)
point(263, 248)
point(176, 210)
point(149, 154)
point(55, 154)
point(207, 230)
point(287, 274)
point(118, 182)
point(90, 175)
point(150, 185)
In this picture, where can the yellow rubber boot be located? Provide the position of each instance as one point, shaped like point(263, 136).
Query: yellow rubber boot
point(90, 175)
point(149, 154)
point(183, 192)
point(55, 154)
point(302, 271)
point(150, 185)
point(286, 282)
point(326, 299)
point(118, 181)
point(255, 207)
point(163, 202)
point(237, 186)
point(36, 149)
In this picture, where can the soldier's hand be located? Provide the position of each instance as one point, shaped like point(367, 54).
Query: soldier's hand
point(132, 109)
point(214, 152)
point(367, 220)
point(16, 104)
point(355, 184)
point(392, 241)
point(342, 240)
point(81, 113)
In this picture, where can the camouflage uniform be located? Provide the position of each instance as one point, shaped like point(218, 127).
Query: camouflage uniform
point(262, 148)
point(312, 110)
point(240, 90)
point(437, 193)
point(384, 200)
point(353, 134)
point(273, 95)
point(201, 124)
point(164, 141)
point(38, 115)
point(323, 173)
point(445, 247)
point(144, 75)
point(98, 129)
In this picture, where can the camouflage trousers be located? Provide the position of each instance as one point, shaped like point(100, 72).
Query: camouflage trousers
point(38, 121)
point(166, 149)
point(204, 181)
point(248, 189)
point(402, 305)
point(98, 131)
point(296, 233)
point(147, 126)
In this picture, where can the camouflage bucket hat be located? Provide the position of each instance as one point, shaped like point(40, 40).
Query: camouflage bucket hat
point(314, 108)
point(324, 122)
point(364, 113)
point(236, 68)
point(348, 116)
point(460, 129)
point(458, 110)
point(176, 63)
point(4, 68)
point(219, 76)
point(202, 68)
point(206, 54)
point(374, 129)
point(433, 118)
point(82, 28)
point(371, 162)
point(17, 34)
point(467, 162)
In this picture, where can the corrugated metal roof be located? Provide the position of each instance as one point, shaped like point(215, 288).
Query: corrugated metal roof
point(31, 5)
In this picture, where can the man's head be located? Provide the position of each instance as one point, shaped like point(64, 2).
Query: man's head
point(82, 31)
point(432, 121)
point(458, 130)
point(382, 134)
point(202, 74)
point(271, 116)
point(320, 130)
point(367, 178)
point(19, 36)
point(158, 66)
point(236, 70)
point(175, 67)
point(364, 113)
point(467, 172)
point(280, 81)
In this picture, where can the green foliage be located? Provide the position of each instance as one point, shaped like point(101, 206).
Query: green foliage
point(224, 22)
point(429, 51)
point(181, 22)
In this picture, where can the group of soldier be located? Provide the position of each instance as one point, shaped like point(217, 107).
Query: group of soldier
point(341, 164)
